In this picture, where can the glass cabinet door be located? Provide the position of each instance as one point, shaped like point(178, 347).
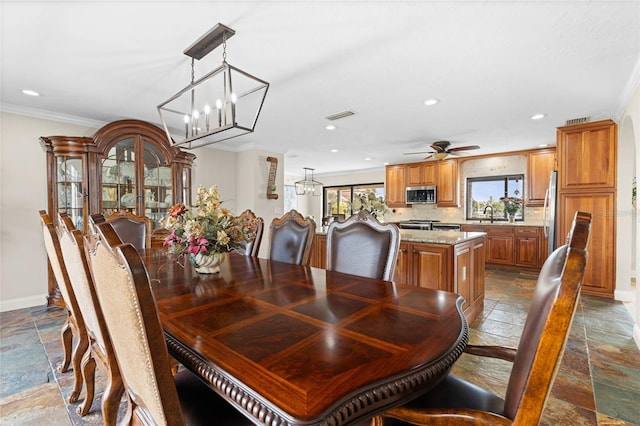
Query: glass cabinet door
point(158, 183)
point(70, 193)
point(119, 189)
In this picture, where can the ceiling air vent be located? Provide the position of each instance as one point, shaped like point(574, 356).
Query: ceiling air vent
point(577, 121)
point(338, 116)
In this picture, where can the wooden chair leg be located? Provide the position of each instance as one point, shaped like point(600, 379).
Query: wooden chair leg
point(111, 399)
point(89, 376)
point(76, 360)
point(66, 335)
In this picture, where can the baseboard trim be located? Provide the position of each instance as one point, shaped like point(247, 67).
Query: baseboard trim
point(22, 302)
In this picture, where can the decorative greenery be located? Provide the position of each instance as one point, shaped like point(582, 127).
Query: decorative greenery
point(511, 204)
point(211, 229)
point(370, 203)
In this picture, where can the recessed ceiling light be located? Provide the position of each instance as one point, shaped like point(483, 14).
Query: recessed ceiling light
point(330, 127)
point(367, 158)
point(386, 163)
point(430, 102)
point(543, 145)
point(538, 116)
point(334, 150)
point(30, 92)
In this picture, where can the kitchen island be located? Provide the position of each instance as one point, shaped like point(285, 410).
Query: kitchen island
point(442, 260)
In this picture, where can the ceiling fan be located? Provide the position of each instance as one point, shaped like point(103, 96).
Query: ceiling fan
point(441, 150)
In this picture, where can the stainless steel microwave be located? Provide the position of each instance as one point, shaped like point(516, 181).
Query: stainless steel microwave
point(421, 195)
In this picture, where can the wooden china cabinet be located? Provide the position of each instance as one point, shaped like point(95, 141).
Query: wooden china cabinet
point(127, 165)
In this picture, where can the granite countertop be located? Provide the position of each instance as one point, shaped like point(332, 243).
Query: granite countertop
point(432, 237)
point(438, 237)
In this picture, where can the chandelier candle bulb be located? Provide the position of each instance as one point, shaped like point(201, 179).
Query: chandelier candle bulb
point(219, 108)
point(186, 126)
point(234, 98)
point(196, 115)
point(207, 110)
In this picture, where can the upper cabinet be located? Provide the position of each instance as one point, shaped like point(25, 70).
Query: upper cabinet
point(127, 165)
point(447, 191)
point(540, 164)
point(421, 174)
point(395, 186)
point(587, 156)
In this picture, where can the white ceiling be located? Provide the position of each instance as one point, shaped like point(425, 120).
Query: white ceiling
point(491, 63)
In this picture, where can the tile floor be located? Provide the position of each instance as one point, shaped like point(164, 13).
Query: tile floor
point(598, 382)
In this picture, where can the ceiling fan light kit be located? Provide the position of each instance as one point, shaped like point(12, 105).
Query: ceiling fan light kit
point(223, 104)
point(441, 150)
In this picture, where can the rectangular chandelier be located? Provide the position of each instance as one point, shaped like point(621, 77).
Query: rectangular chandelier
point(223, 104)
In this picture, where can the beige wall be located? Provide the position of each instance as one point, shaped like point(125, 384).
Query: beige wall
point(23, 192)
point(240, 177)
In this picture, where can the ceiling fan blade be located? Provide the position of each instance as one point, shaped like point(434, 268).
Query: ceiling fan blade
point(464, 148)
point(438, 148)
point(422, 152)
point(428, 156)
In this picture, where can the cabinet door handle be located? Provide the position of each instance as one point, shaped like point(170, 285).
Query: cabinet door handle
point(413, 251)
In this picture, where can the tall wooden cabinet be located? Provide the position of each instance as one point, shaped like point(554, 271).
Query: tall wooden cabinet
point(587, 176)
point(395, 186)
point(127, 164)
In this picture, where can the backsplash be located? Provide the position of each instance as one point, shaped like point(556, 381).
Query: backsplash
point(532, 215)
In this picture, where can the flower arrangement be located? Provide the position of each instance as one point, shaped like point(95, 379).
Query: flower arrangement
point(511, 204)
point(370, 203)
point(207, 228)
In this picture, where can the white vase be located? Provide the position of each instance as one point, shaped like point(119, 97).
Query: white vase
point(207, 263)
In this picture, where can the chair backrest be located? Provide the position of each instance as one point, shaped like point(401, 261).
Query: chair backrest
point(131, 228)
point(131, 315)
point(291, 237)
point(253, 247)
point(58, 266)
point(375, 246)
point(547, 326)
point(72, 245)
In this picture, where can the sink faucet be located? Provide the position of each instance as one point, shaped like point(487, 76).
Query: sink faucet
point(489, 206)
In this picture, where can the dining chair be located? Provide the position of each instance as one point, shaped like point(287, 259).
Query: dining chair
point(535, 362)
point(152, 394)
point(290, 238)
point(132, 228)
point(99, 347)
point(363, 246)
point(74, 325)
point(252, 247)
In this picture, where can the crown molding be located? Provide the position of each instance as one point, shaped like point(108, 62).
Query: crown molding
point(49, 115)
point(629, 91)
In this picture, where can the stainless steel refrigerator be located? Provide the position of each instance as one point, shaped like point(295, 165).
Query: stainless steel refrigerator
point(550, 212)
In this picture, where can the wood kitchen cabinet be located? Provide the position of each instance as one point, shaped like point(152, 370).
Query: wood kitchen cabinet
point(127, 164)
point(587, 173)
point(421, 174)
point(403, 274)
point(540, 164)
point(468, 275)
point(527, 246)
point(523, 246)
point(395, 186)
point(430, 265)
point(447, 183)
point(500, 244)
point(458, 268)
point(318, 257)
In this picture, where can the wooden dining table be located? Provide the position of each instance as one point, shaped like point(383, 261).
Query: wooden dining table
point(296, 345)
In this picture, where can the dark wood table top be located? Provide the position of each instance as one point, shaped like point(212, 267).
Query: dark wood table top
point(299, 345)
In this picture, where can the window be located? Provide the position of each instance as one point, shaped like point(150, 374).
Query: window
point(483, 192)
point(337, 199)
